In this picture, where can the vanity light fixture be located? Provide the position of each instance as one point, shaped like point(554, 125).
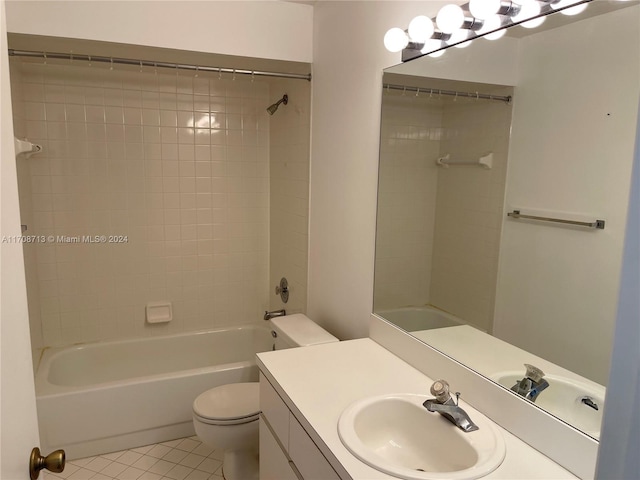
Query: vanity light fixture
point(458, 25)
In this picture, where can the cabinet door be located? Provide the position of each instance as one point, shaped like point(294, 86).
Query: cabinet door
point(308, 459)
point(274, 464)
point(275, 411)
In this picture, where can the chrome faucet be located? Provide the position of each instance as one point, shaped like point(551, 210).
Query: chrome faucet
point(445, 406)
point(531, 384)
point(274, 314)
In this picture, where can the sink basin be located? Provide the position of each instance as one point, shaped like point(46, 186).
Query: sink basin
point(396, 435)
point(563, 398)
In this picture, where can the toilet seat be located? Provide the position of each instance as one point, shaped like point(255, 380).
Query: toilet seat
point(231, 404)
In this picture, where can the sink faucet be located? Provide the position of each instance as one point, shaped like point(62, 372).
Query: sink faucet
point(531, 384)
point(445, 406)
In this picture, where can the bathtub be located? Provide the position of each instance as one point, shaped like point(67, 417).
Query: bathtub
point(110, 396)
point(412, 319)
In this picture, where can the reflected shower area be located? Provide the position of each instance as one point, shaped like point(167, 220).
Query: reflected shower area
point(443, 161)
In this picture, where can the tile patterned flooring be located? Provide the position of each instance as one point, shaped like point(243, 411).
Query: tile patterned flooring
point(182, 459)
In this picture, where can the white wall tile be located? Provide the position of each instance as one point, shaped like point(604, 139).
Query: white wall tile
point(142, 155)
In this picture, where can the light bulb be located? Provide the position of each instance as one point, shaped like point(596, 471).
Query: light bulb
point(395, 39)
point(431, 46)
point(420, 29)
point(569, 11)
point(527, 10)
point(484, 9)
point(459, 36)
point(491, 24)
point(450, 18)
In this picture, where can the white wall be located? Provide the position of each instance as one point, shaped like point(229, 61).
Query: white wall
point(348, 58)
point(264, 29)
point(618, 454)
point(577, 172)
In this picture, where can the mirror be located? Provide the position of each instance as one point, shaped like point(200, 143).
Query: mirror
point(497, 291)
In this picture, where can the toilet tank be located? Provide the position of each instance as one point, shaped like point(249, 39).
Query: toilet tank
point(298, 330)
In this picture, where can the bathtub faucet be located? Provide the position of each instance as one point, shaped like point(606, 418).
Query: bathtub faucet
point(445, 406)
point(274, 314)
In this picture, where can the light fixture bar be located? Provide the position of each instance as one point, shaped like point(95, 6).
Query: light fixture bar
point(150, 63)
point(508, 10)
point(453, 93)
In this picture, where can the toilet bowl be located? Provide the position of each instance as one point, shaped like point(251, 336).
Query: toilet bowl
point(226, 417)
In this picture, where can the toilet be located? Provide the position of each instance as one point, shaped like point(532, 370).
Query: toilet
point(226, 417)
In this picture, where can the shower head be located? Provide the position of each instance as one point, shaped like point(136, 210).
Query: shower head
point(272, 108)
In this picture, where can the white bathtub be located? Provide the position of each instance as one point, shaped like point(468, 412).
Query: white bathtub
point(104, 397)
point(414, 319)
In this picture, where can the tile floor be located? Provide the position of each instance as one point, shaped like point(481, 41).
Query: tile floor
point(182, 459)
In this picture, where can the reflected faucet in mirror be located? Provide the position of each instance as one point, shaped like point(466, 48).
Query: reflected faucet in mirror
point(445, 406)
point(531, 384)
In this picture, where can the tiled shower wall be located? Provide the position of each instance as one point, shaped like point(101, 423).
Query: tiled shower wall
point(289, 164)
point(438, 229)
point(176, 166)
point(411, 130)
point(469, 213)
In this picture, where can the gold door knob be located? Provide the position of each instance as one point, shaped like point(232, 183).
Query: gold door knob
point(54, 462)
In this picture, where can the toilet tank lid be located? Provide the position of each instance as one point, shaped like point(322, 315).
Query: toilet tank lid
point(300, 330)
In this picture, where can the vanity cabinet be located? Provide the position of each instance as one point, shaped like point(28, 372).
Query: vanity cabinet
point(287, 452)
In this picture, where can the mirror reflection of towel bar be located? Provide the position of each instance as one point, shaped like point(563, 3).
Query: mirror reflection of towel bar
point(485, 161)
point(599, 224)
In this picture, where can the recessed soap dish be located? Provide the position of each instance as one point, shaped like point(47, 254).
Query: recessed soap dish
point(159, 312)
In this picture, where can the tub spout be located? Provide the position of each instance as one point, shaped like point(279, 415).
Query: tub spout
point(274, 314)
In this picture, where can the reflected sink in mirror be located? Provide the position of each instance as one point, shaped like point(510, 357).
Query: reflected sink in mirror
point(396, 435)
point(567, 399)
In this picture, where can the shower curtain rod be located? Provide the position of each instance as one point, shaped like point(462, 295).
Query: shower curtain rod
point(149, 63)
point(452, 93)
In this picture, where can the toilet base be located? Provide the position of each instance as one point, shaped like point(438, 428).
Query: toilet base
point(241, 465)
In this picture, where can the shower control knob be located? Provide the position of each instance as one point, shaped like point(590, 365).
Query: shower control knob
point(283, 290)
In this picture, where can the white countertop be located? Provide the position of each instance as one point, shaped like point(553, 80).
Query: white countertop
point(319, 382)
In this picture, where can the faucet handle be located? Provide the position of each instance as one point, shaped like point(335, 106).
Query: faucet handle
point(534, 373)
point(440, 390)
